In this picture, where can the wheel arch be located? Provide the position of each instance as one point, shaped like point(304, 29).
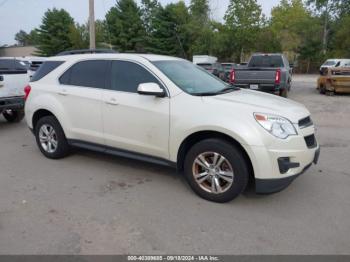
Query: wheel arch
point(40, 113)
point(196, 137)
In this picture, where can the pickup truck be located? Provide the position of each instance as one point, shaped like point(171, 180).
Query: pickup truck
point(270, 73)
point(13, 79)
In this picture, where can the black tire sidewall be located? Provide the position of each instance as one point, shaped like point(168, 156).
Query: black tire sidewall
point(232, 154)
point(62, 145)
point(16, 116)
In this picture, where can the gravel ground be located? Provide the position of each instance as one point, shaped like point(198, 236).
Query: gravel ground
point(90, 203)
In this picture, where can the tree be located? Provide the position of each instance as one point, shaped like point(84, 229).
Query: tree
point(126, 27)
point(244, 18)
point(341, 40)
point(328, 8)
point(80, 38)
point(149, 9)
point(200, 27)
point(169, 34)
point(53, 34)
point(22, 38)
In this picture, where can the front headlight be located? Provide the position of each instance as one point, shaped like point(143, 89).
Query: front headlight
point(276, 125)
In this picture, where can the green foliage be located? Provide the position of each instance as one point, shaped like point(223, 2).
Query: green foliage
point(53, 34)
point(341, 40)
point(244, 19)
point(311, 30)
point(126, 27)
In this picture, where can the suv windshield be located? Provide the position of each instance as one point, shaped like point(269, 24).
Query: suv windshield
point(266, 61)
point(192, 79)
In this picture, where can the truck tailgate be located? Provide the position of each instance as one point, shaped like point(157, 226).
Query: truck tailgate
point(12, 84)
point(250, 76)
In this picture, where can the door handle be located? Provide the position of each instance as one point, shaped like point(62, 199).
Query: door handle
point(112, 102)
point(63, 92)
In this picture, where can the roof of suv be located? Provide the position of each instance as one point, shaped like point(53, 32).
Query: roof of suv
point(149, 57)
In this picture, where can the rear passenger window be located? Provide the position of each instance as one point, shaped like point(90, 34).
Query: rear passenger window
point(126, 76)
point(45, 68)
point(90, 73)
point(12, 66)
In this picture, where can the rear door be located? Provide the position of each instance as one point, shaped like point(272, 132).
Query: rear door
point(80, 93)
point(135, 122)
point(13, 78)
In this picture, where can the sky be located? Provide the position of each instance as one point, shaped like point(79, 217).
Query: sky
point(27, 14)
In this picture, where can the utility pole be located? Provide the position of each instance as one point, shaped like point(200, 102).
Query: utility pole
point(92, 24)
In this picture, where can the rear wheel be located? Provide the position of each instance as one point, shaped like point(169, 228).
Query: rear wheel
point(284, 92)
point(216, 170)
point(50, 138)
point(13, 116)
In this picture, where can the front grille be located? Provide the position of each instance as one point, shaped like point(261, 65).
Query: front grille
point(305, 122)
point(310, 141)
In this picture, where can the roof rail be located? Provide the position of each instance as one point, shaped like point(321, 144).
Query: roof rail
point(87, 51)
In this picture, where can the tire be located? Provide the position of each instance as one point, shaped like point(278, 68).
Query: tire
point(13, 116)
point(233, 160)
point(284, 92)
point(322, 90)
point(56, 146)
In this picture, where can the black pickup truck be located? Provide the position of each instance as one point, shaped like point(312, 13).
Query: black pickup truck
point(270, 73)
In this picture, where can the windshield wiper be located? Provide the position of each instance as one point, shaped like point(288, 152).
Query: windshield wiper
point(227, 89)
point(206, 94)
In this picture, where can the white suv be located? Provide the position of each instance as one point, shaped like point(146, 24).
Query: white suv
point(168, 111)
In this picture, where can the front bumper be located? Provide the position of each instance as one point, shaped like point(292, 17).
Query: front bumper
point(16, 102)
point(265, 186)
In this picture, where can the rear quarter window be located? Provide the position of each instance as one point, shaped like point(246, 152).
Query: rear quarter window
point(266, 61)
point(46, 68)
point(90, 73)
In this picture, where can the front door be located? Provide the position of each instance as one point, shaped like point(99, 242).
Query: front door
point(134, 122)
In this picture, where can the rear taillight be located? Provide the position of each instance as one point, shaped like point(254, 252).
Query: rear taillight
point(278, 76)
point(232, 76)
point(27, 91)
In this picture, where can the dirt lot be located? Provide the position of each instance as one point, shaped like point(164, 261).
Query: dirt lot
point(90, 203)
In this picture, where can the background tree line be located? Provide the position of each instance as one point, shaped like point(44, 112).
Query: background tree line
point(310, 30)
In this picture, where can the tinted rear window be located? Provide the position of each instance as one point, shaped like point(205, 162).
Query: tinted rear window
point(12, 66)
point(90, 73)
point(266, 61)
point(45, 68)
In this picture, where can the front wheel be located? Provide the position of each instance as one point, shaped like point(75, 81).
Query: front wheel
point(216, 170)
point(13, 116)
point(50, 138)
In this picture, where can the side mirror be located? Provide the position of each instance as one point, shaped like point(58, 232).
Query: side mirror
point(150, 89)
point(291, 65)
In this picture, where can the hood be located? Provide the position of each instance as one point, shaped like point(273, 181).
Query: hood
point(259, 102)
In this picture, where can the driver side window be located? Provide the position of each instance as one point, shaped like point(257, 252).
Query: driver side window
point(126, 76)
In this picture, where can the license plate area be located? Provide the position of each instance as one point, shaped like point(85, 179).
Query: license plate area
point(254, 87)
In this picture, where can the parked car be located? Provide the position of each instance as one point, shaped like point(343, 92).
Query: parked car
point(228, 67)
point(210, 64)
point(166, 110)
point(34, 63)
point(334, 80)
point(216, 69)
point(333, 63)
point(13, 78)
point(265, 72)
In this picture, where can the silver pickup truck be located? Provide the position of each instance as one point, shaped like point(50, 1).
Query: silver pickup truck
point(270, 73)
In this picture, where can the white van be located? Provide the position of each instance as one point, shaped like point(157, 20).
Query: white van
point(335, 63)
